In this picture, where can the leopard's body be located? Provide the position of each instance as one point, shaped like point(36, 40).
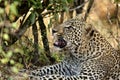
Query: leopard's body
point(89, 56)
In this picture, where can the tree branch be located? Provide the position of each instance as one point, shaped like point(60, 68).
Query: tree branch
point(44, 34)
point(72, 9)
point(88, 8)
point(44, 38)
point(22, 29)
point(80, 6)
point(35, 58)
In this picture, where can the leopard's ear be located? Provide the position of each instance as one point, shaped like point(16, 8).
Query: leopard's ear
point(89, 30)
point(80, 17)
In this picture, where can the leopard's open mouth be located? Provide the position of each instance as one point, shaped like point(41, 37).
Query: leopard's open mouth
point(61, 43)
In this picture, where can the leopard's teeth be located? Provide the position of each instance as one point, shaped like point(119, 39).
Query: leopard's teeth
point(56, 44)
point(60, 43)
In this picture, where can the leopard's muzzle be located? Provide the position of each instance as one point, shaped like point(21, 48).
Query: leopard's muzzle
point(61, 43)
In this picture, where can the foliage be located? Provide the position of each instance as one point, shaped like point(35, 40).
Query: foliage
point(56, 7)
point(117, 1)
point(6, 27)
point(18, 50)
point(20, 54)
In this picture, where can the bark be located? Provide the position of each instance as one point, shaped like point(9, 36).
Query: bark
point(22, 29)
point(35, 34)
point(44, 38)
point(77, 3)
point(36, 51)
point(88, 8)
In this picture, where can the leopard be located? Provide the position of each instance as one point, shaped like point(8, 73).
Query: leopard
point(88, 54)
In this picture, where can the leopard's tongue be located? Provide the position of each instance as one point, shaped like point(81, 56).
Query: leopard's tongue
point(60, 43)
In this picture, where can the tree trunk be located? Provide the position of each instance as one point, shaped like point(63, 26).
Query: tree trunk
point(22, 29)
point(45, 39)
point(78, 3)
point(36, 51)
point(88, 9)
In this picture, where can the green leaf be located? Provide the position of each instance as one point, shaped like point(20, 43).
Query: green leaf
point(5, 36)
point(32, 17)
point(15, 69)
point(116, 1)
point(65, 2)
point(32, 1)
point(4, 60)
point(14, 25)
point(18, 51)
point(50, 24)
point(9, 54)
point(39, 5)
point(12, 62)
point(36, 4)
point(13, 9)
point(69, 1)
point(66, 8)
point(1, 10)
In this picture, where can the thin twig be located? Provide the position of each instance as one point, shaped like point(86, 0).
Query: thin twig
point(21, 21)
point(88, 9)
point(78, 6)
point(51, 11)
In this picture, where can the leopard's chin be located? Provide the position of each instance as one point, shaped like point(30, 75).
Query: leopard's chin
point(61, 43)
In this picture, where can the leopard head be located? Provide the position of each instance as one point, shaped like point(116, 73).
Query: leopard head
point(70, 34)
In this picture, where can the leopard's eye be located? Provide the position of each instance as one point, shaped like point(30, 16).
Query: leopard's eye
point(69, 27)
point(53, 31)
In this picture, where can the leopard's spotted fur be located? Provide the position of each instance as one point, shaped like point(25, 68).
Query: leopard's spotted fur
point(89, 56)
